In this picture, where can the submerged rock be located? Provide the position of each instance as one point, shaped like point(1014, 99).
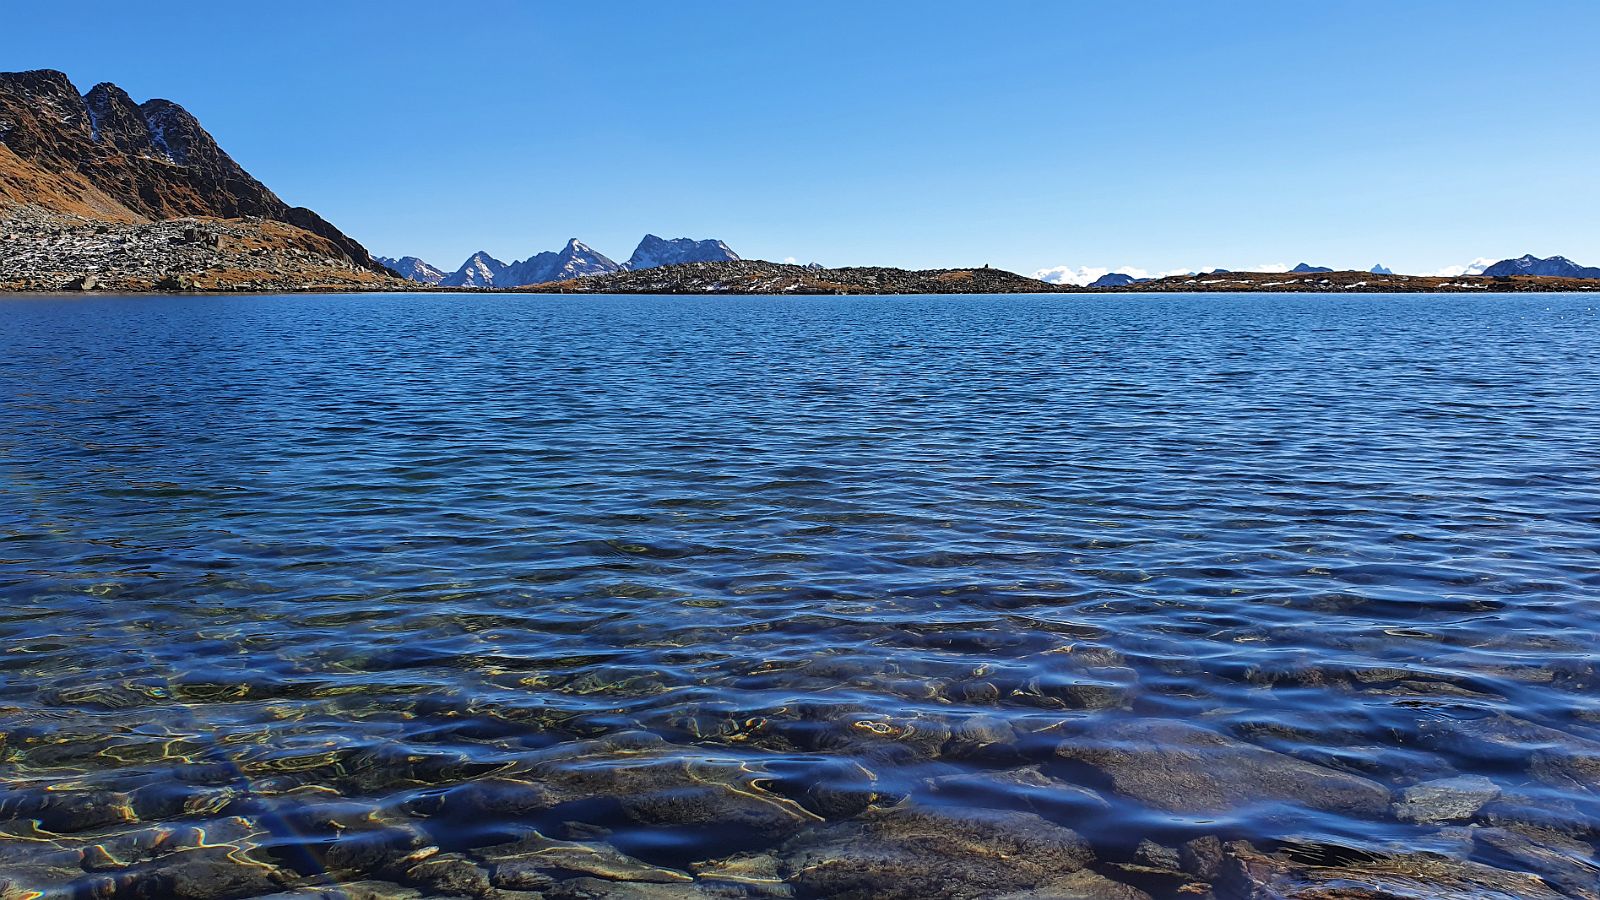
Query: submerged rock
point(1249, 873)
point(1027, 788)
point(919, 853)
point(451, 875)
point(1202, 857)
point(65, 812)
point(1187, 769)
point(1565, 862)
point(1554, 757)
point(1158, 856)
point(1082, 885)
point(520, 860)
point(756, 875)
point(676, 792)
point(596, 889)
point(1445, 800)
point(207, 873)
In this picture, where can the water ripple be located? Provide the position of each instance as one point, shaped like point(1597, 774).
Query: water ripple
point(685, 592)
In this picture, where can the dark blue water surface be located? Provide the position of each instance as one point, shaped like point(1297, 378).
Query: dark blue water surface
point(672, 597)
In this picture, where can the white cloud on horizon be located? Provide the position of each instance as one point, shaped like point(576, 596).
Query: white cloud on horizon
point(1068, 275)
point(1476, 267)
point(1085, 275)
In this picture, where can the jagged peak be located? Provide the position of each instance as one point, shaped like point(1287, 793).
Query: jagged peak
point(108, 90)
point(35, 78)
point(106, 155)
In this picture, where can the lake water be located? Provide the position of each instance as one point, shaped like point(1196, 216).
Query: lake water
point(813, 597)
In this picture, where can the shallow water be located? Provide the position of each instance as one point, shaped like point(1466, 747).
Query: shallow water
point(694, 578)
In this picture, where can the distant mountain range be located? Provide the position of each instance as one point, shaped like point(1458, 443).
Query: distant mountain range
point(575, 260)
point(1528, 264)
point(412, 269)
point(1305, 269)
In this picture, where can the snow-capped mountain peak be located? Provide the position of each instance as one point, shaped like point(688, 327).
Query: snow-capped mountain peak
point(413, 269)
point(1528, 264)
point(480, 270)
point(654, 251)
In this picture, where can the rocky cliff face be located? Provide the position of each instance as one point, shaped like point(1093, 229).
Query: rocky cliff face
point(653, 252)
point(102, 156)
point(1553, 267)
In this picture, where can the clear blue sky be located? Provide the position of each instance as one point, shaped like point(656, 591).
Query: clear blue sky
point(1022, 134)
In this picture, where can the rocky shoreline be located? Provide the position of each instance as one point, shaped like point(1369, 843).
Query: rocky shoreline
point(760, 278)
point(52, 252)
point(49, 252)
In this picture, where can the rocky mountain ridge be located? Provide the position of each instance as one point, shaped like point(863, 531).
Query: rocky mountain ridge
point(412, 269)
point(479, 271)
point(103, 156)
point(97, 190)
point(654, 252)
point(1553, 267)
point(576, 260)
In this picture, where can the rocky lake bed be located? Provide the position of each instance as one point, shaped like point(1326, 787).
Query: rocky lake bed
point(1029, 597)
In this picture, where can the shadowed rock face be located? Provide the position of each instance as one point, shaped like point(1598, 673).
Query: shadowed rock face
point(102, 155)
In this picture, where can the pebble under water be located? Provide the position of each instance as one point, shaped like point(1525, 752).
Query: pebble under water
point(510, 597)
